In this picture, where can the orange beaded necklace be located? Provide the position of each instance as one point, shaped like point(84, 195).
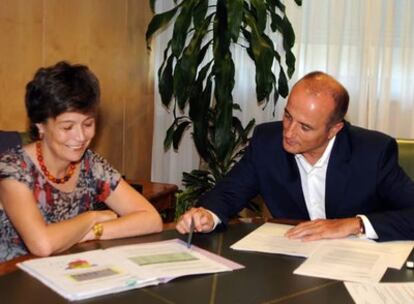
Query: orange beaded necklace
point(69, 171)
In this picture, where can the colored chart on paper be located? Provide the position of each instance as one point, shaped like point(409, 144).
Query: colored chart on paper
point(163, 258)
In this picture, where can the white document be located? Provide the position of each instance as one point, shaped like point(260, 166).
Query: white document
point(346, 261)
point(396, 252)
point(99, 272)
point(168, 260)
point(270, 238)
point(352, 259)
point(390, 293)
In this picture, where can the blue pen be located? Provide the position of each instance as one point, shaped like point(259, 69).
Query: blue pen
point(190, 234)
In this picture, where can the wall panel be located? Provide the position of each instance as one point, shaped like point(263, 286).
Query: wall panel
point(106, 35)
point(21, 28)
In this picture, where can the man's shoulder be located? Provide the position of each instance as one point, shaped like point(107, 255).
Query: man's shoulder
point(269, 128)
point(369, 141)
point(360, 134)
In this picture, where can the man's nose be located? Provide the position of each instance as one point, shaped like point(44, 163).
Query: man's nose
point(290, 129)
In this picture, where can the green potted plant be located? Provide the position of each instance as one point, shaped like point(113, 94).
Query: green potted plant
point(188, 78)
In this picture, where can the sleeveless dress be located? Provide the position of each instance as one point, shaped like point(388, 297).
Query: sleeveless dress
point(97, 179)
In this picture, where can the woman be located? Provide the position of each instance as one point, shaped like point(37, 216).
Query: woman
point(48, 189)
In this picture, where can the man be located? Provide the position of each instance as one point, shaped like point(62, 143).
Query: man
point(313, 166)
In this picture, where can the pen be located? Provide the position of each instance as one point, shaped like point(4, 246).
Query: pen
point(190, 234)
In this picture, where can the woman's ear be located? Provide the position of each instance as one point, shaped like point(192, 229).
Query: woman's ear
point(41, 129)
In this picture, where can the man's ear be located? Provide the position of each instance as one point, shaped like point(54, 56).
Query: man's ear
point(335, 129)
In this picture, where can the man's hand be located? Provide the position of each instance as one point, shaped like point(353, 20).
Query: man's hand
point(325, 229)
point(203, 221)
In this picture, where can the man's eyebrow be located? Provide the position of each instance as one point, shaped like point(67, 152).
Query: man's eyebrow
point(300, 122)
point(306, 125)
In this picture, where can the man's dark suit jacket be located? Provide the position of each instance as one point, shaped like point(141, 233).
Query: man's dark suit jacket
point(363, 177)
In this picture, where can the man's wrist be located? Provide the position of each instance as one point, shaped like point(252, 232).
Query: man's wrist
point(216, 219)
point(361, 228)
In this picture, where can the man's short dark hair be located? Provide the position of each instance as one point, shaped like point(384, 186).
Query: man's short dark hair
point(60, 88)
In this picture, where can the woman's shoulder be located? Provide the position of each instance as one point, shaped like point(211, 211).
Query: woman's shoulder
point(99, 169)
point(14, 163)
point(97, 164)
point(14, 157)
point(92, 158)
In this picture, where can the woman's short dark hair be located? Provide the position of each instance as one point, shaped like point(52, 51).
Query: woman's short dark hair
point(58, 89)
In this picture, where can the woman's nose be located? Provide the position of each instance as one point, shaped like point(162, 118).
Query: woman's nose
point(80, 134)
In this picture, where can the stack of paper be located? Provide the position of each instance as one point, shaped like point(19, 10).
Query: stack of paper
point(351, 259)
point(99, 272)
point(270, 238)
point(390, 293)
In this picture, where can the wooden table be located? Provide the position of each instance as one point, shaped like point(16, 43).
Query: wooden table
point(266, 278)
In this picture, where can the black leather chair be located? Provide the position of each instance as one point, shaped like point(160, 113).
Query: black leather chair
point(9, 139)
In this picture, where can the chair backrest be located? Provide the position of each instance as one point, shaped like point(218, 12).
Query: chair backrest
point(406, 155)
point(9, 139)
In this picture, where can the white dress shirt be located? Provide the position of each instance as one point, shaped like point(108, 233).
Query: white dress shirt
point(313, 181)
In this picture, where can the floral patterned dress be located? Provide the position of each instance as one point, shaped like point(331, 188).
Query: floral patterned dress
point(96, 181)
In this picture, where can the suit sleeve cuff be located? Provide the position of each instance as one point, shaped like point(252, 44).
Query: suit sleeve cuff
point(216, 219)
point(369, 229)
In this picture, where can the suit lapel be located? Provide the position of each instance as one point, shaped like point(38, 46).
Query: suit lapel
point(338, 173)
point(294, 185)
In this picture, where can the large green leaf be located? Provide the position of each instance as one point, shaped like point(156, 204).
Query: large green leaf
point(290, 62)
point(262, 51)
point(248, 38)
point(178, 133)
point(276, 22)
point(203, 52)
point(223, 138)
point(166, 81)
point(241, 140)
point(169, 137)
point(259, 9)
point(158, 22)
point(187, 66)
point(200, 12)
point(199, 107)
point(223, 70)
point(181, 25)
point(224, 79)
point(279, 5)
point(288, 34)
point(234, 17)
point(200, 119)
point(283, 83)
